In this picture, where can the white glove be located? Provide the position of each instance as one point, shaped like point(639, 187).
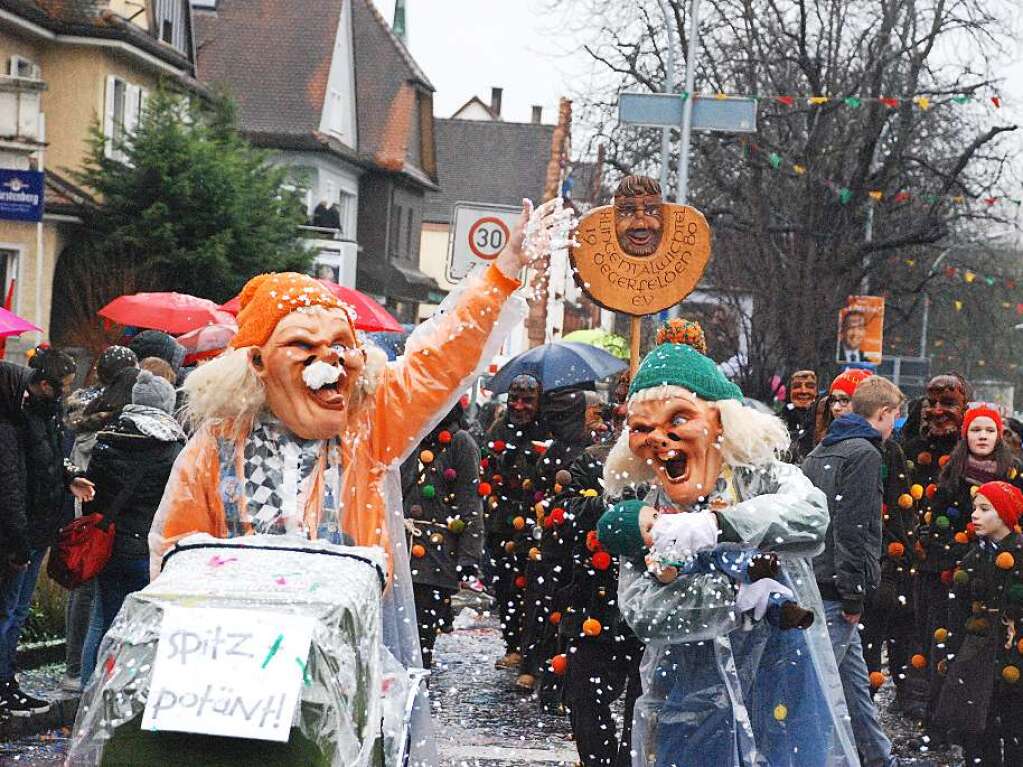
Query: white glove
point(677, 537)
point(754, 596)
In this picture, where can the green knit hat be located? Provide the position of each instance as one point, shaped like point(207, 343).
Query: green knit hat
point(681, 365)
point(618, 529)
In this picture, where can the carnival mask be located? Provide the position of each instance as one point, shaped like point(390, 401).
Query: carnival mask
point(803, 389)
point(638, 220)
point(309, 368)
point(523, 400)
point(944, 407)
point(679, 438)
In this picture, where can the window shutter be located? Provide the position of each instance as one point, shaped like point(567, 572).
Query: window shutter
point(131, 111)
point(108, 117)
point(143, 98)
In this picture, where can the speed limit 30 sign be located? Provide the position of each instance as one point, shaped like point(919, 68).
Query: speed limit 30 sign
point(479, 232)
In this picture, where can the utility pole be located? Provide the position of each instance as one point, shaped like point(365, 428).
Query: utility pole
point(669, 87)
point(687, 107)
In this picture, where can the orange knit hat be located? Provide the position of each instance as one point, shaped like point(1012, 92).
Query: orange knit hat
point(266, 299)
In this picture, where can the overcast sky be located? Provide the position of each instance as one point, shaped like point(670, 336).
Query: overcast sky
point(467, 46)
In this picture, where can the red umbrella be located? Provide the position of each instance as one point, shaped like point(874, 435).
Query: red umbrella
point(173, 313)
point(369, 315)
point(207, 342)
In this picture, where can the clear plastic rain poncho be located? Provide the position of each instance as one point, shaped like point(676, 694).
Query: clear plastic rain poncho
point(719, 688)
point(353, 683)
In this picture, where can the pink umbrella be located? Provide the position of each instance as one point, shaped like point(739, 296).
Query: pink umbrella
point(207, 342)
point(369, 315)
point(13, 325)
point(173, 313)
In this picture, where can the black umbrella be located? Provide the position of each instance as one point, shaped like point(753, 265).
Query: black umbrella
point(558, 364)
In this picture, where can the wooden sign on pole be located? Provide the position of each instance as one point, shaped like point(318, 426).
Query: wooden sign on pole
point(640, 255)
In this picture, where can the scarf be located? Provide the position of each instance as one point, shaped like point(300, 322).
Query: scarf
point(980, 470)
point(153, 422)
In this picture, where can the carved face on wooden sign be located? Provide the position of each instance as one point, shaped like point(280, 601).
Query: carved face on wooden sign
point(640, 255)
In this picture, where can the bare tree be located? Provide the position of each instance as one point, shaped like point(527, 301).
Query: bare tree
point(796, 226)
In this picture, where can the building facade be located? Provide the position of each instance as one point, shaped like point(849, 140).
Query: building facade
point(64, 68)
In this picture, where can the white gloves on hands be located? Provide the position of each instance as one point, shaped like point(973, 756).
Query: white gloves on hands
point(677, 537)
point(755, 596)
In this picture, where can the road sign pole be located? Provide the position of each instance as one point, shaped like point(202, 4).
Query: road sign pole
point(669, 87)
point(687, 108)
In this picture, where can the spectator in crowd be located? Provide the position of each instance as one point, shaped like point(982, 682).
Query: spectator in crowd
point(130, 466)
point(847, 467)
point(34, 478)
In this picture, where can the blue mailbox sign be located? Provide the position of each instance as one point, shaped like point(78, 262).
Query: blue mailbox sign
point(21, 195)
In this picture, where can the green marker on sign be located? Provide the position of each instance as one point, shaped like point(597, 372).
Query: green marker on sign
point(273, 650)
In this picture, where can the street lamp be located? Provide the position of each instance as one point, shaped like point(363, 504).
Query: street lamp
point(669, 87)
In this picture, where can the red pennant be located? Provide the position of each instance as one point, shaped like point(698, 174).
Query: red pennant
point(997, 101)
point(1010, 284)
point(950, 272)
point(902, 197)
point(1019, 309)
point(990, 200)
point(889, 102)
point(787, 100)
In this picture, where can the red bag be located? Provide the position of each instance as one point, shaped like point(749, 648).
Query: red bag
point(83, 550)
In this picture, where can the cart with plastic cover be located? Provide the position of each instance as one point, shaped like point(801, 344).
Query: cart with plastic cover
point(258, 650)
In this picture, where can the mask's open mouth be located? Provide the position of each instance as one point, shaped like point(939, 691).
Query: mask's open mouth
point(675, 466)
point(326, 382)
point(640, 237)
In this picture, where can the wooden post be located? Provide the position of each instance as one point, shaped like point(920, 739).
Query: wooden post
point(637, 325)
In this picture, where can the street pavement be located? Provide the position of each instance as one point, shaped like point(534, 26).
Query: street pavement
point(480, 719)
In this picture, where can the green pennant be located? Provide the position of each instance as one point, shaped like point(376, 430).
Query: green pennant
point(775, 159)
point(844, 195)
point(990, 281)
point(961, 99)
point(852, 101)
point(930, 199)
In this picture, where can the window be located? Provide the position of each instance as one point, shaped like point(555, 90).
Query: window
point(18, 66)
point(169, 22)
point(167, 31)
point(8, 273)
point(124, 105)
point(346, 206)
point(408, 235)
point(335, 117)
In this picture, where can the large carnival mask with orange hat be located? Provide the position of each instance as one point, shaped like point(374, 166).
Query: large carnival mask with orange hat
point(303, 348)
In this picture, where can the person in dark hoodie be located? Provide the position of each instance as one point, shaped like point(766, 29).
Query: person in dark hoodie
point(33, 480)
point(156, 343)
point(847, 467)
point(130, 466)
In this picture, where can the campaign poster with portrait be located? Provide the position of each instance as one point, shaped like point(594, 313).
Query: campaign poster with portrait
point(861, 330)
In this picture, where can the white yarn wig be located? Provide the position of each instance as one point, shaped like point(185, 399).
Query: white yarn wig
point(226, 389)
point(748, 438)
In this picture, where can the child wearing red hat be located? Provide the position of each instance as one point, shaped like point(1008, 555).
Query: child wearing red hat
point(982, 692)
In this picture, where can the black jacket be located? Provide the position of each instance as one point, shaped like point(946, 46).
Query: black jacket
point(447, 519)
point(33, 473)
point(847, 467)
point(130, 471)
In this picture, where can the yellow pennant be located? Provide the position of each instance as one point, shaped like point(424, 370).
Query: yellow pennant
point(969, 277)
point(959, 305)
point(818, 100)
point(799, 170)
point(923, 102)
point(876, 196)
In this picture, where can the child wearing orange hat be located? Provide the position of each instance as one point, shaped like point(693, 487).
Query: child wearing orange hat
point(982, 693)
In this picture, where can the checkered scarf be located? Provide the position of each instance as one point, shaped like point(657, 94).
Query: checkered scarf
point(278, 469)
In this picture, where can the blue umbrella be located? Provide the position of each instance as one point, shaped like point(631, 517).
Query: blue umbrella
point(558, 364)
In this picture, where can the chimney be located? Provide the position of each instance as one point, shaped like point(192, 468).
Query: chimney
point(537, 113)
point(495, 101)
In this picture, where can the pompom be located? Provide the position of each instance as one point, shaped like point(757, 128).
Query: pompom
point(682, 331)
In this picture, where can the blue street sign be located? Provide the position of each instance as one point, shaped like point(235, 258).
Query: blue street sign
point(731, 114)
point(21, 195)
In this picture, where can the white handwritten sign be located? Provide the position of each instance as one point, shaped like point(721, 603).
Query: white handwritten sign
point(237, 673)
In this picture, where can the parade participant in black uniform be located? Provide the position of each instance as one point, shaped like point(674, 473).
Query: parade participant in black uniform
point(511, 486)
point(601, 655)
point(444, 519)
point(928, 448)
point(550, 555)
